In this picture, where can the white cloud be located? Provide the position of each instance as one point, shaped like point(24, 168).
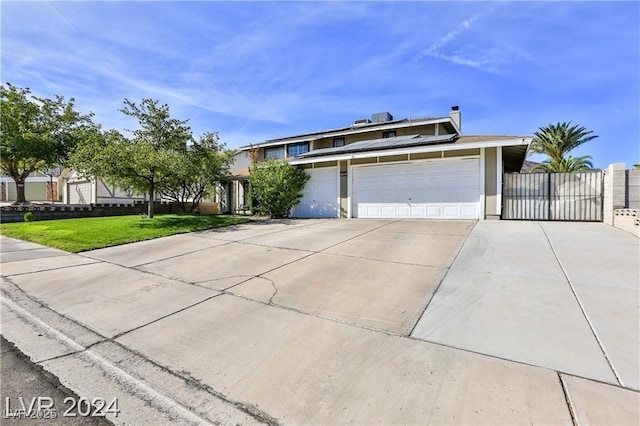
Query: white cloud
point(465, 53)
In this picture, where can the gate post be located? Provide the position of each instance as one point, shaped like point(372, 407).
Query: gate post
point(614, 190)
point(549, 216)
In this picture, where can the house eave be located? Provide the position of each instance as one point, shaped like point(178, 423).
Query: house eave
point(522, 142)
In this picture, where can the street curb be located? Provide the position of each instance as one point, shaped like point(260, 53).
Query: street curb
point(93, 366)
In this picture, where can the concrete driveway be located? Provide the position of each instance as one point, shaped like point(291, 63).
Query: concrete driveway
point(341, 321)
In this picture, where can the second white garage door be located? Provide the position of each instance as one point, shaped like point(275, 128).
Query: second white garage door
point(79, 192)
point(444, 189)
point(320, 197)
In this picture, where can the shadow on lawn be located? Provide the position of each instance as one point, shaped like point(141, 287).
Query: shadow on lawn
point(188, 222)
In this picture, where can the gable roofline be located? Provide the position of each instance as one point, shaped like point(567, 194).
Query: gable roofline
point(352, 130)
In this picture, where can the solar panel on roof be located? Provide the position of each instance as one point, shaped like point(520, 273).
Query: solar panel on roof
point(381, 144)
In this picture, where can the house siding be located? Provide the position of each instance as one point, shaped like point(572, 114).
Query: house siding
point(425, 155)
point(490, 183)
point(344, 189)
point(241, 160)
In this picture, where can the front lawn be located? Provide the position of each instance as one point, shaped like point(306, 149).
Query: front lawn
point(76, 235)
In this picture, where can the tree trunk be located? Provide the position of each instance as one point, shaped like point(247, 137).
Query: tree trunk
point(151, 199)
point(20, 198)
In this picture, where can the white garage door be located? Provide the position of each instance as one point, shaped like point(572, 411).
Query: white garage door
point(79, 193)
point(444, 189)
point(320, 197)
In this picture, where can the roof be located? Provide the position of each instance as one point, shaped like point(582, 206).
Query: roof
point(514, 148)
point(353, 129)
point(528, 167)
point(382, 144)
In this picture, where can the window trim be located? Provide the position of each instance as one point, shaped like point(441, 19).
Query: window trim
point(389, 134)
point(335, 140)
point(295, 145)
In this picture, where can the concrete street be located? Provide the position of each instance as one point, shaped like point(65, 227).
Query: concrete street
point(341, 321)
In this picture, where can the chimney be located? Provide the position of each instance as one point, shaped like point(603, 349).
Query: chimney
point(456, 117)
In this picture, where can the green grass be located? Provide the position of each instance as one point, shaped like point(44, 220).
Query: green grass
point(76, 235)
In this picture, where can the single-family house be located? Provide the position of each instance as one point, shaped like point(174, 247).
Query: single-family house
point(390, 168)
point(79, 189)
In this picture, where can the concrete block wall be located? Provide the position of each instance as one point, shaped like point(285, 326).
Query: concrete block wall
point(622, 198)
point(614, 191)
point(633, 189)
point(627, 220)
point(67, 211)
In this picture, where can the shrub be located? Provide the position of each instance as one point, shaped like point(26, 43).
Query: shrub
point(29, 217)
point(275, 186)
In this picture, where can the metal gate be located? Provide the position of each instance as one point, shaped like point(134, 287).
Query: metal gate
point(576, 196)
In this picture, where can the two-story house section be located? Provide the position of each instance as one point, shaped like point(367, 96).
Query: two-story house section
point(387, 168)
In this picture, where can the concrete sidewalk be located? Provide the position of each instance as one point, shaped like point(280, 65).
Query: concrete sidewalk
point(565, 297)
point(321, 322)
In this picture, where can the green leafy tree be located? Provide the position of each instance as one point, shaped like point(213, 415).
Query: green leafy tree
point(202, 166)
point(144, 163)
point(37, 133)
point(275, 186)
point(556, 141)
point(563, 165)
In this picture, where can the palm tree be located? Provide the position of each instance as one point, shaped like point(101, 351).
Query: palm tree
point(564, 165)
point(556, 140)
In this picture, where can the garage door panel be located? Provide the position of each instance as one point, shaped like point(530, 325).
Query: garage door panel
point(469, 211)
point(418, 211)
point(451, 211)
point(446, 189)
point(320, 195)
point(434, 211)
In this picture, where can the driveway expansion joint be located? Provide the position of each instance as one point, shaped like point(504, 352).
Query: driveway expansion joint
point(55, 268)
point(166, 316)
point(582, 309)
point(567, 398)
point(166, 258)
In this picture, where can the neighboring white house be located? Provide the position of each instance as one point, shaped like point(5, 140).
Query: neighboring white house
point(37, 187)
point(77, 189)
point(388, 168)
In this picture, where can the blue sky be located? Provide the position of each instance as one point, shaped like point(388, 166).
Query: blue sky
point(259, 70)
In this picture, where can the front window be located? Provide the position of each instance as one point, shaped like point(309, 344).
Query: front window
point(274, 152)
point(391, 134)
point(338, 142)
point(298, 149)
